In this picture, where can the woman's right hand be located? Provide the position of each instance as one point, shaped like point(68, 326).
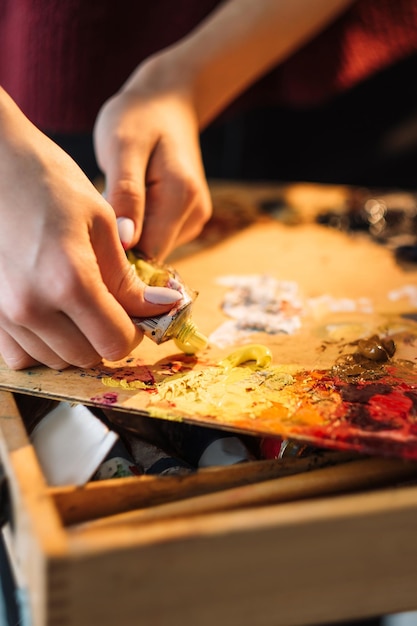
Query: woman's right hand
point(67, 291)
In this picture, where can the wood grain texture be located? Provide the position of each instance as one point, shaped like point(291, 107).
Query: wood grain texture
point(107, 497)
point(358, 475)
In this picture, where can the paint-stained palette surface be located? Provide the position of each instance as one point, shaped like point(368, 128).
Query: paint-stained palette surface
point(323, 385)
point(347, 401)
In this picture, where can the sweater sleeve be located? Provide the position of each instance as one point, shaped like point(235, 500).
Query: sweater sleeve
point(61, 60)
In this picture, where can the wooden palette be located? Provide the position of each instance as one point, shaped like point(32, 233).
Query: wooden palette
point(374, 411)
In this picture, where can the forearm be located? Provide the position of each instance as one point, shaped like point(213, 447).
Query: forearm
point(234, 46)
point(11, 117)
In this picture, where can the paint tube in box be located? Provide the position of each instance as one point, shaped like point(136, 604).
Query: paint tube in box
point(154, 459)
point(71, 443)
point(146, 440)
point(177, 323)
point(205, 447)
point(119, 463)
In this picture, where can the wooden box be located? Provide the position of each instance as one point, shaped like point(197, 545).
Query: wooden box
point(308, 561)
point(310, 551)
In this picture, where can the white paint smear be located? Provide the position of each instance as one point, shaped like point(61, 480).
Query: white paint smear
point(262, 303)
point(407, 291)
point(257, 303)
point(328, 304)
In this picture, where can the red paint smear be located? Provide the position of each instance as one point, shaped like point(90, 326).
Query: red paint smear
point(375, 417)
point(394, 404)
point(107, 398)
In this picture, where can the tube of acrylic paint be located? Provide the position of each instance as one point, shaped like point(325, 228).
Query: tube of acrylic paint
point(119, 463)
point(207, 447)
point(71, 443)
point(224, 450)
point(177, 323)
point(154, 459)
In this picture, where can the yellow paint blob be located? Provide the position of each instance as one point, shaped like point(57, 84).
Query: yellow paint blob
point(253, 352)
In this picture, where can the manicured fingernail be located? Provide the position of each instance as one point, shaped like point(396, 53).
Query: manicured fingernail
point(126, 228)
point(161, 295)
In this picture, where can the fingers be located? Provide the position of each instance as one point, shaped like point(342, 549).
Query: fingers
point(79, 315)
point(125, 191)
point(126, 230)
point(125, 293)
point(166, 213)
point(57, 341)
point(100, 303)
point(13, 354)
point(176, 211)
point(21, 347)
point(155, 181)
point(34, 329)
point(192, 227)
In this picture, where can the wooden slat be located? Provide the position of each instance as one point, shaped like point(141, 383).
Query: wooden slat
point(363, 474)
point(294, 564)
point(107, 497)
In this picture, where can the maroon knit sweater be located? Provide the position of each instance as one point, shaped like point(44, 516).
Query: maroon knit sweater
point(60, 60)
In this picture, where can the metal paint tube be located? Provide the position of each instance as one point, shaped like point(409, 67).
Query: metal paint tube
point(177, 323)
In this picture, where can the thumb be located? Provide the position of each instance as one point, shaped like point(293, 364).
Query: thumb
point(136, 297)
point(139, 299)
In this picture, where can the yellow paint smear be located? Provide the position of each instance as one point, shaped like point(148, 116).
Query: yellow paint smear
point(244, 385)
point(125, 384)
point(225, 394)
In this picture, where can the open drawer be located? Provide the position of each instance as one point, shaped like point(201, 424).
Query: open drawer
point(83, 558)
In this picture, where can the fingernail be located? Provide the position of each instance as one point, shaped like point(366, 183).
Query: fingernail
point(161, 295)
point(126, 228)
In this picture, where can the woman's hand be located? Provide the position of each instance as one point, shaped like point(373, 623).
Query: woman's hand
point(147, 144)
point(67, 290)
point(147, 135)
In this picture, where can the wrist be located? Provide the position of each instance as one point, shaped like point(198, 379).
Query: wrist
point(15, 127)
point(172, 74)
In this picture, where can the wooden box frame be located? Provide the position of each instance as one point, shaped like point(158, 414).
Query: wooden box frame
point(305, 562)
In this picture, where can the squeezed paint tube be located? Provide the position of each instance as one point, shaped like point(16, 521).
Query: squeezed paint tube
point(177, 323)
